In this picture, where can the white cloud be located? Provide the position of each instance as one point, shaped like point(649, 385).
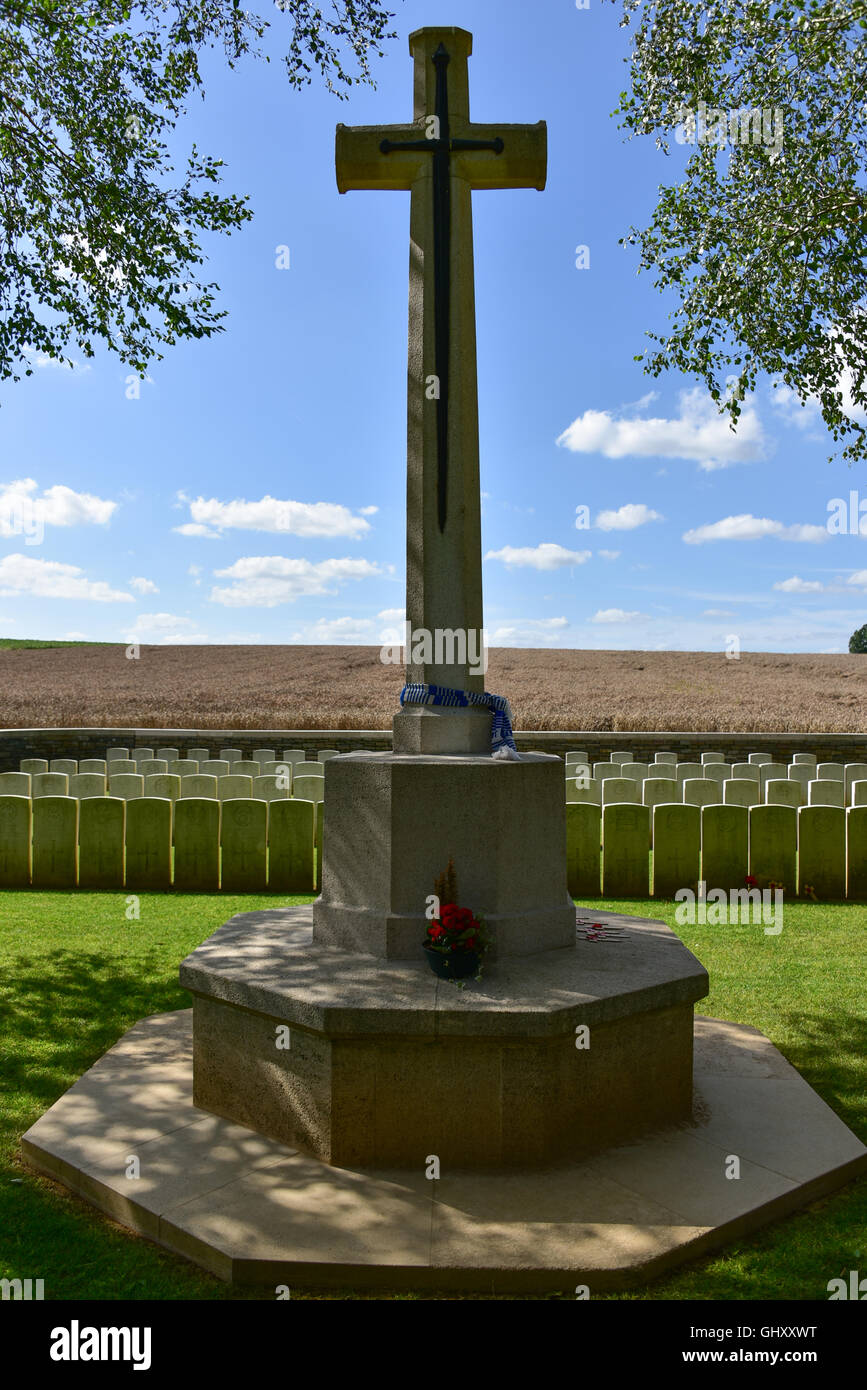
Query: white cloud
point(143, 586)
point(159, 622)
point(614, 615)
point(859, 578)
point(609, 554)
point(22, 574)
point(392, 615)
point(22, 503)
point(195, 528)
point(264, 581)
point(795, 585)
point(787, 405)
point(546, 556)
point(699, 433)
point(211, 517)
point(754, 528)
point(351, 632)
point(41, 360)
point(528, 632)
point(717, 613)
point(75, 637)
point(367, 511)
point(627, 517)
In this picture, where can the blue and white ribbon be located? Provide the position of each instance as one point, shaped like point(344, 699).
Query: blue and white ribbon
point(502, 738)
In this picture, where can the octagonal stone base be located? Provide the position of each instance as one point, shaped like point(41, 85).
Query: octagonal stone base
point(371, 1063)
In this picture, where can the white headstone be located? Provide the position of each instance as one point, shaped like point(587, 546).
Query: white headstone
point(702, 791)
point(825, 792)
point(831, 772)
point(741, 791)
point(784, 791)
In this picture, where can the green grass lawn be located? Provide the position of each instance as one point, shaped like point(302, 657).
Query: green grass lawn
point(76, 974)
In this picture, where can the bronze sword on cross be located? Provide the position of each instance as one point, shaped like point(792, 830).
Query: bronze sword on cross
point(440, 144)
point(441, 157)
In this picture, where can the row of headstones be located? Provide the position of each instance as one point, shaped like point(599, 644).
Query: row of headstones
point(265, 786)
point(196, 845)
point(816, 851)
point(230, 755)
point(715, 782)
point(145, 762)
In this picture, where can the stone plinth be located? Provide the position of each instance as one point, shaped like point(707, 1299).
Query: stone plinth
point(386, 1064)
point(393, 821)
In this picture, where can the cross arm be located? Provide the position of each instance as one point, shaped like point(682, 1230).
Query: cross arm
point(523, 162)
point(360, 162)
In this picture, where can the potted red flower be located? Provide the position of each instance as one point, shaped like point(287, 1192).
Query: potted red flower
point(456, 938)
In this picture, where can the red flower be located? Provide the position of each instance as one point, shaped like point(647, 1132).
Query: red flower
point(435, 930)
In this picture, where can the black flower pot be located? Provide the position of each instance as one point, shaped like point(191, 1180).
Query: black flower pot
point(452, 965)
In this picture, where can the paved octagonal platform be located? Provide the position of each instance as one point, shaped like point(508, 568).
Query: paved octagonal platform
point(252, 1209)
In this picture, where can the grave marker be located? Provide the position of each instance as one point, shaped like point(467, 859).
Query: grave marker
point(625, 863)
point(49, 784)
point(702, 791)
point(94, 765)
point(825, 792)
point(163, 784)
point(784, 792)
point(822, 851)
point(773, 845)
point(269, 787)
point(583, 850)
point(724, 846)
point(149, 844)
point(306, 788)
point(14, 783)
point(741, 791)
point(67, 765)
point(856, 851)
point(197, 845)
point(291, 831)
point(619, 789)
point(153, 767)
point(199, 784)
point(231, 787)
point(33, 765)
point(676, 848)
point(244, 839)
point(15, 835)
point(55, 840)
point(215, 767)
point(101, 828)
point(126, 785)
point(85, 785)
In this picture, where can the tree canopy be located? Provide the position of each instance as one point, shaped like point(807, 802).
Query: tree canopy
point(763, 238)
point(99, 234)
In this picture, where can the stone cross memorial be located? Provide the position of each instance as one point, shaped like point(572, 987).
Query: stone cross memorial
point(440, 158)
point(350, 1073)
point(392, 818)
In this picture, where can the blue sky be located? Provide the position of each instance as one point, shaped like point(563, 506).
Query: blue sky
point(254, 492)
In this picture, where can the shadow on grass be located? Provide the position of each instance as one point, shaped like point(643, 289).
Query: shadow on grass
point(830, 1052)
point(68, 1008)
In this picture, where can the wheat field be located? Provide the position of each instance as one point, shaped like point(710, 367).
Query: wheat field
point(296, 687)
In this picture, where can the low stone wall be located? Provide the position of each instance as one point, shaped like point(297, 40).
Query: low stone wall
point(16, 744)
